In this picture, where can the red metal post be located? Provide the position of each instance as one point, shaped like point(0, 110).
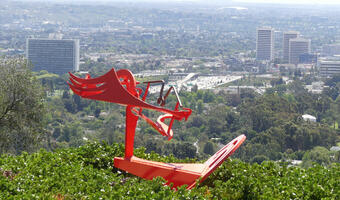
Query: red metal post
point(130, 127)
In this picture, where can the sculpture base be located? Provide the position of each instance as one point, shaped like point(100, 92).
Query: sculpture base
point(178, 173)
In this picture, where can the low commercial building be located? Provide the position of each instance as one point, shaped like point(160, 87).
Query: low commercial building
point(329, 68)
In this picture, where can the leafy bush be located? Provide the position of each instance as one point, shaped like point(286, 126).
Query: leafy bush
point(87, 172)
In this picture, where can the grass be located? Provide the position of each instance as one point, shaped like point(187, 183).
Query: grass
point(152, 78)
point(247, 82)
point(49, 75)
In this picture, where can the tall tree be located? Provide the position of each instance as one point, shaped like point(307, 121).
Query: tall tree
point(21, 107)
point(209, 148)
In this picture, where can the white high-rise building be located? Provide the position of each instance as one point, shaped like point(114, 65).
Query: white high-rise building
point(265, 43)
point(286, 37)
point(55, 56)
point(298, 47)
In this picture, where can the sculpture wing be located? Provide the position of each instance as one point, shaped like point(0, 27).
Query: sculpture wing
point(110, 89)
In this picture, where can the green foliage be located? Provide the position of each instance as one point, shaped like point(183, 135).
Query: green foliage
point(278, 126)
point(332, 82)
point(45, 75)
point(318, 154)
point(272, 122)
point(259, 159)
point(209, 148)
point(21, 107)
point(238, 180)
point(87, 172)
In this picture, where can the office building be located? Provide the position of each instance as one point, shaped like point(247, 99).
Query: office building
point(308, 58)
point(286, 37)
point(265, 44)
point(298, 47)
point(329, 66)
point(55, 56)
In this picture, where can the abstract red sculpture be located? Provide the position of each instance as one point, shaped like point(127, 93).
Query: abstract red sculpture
point(121, 87)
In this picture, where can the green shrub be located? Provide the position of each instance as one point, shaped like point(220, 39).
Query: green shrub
point(87, 172)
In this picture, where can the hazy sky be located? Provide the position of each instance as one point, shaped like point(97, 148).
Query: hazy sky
point(293, 1)
point(212, 1)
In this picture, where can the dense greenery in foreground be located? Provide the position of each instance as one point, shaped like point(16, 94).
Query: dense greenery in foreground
point(87, 172)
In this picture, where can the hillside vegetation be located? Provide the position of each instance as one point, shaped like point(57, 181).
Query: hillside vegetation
point(37, 111)
point(87, 172)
